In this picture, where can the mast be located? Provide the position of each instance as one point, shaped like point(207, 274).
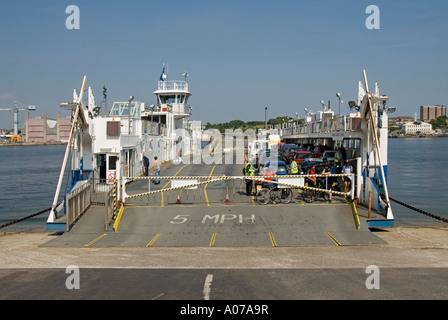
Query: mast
point(52, 215)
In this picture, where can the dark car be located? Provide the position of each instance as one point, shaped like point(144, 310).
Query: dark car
point(289, 152)
point(319, 151)
point(285, 147)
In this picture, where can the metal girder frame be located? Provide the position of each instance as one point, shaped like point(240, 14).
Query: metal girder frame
point(212, 179)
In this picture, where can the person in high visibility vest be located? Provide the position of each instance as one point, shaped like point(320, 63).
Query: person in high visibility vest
point(248, 171)
point(338, 160)
point(294, 168)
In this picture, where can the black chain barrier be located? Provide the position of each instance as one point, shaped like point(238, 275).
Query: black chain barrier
point(25, 218)
point(420, 210)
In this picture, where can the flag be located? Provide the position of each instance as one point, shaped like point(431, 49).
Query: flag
point(163, 75)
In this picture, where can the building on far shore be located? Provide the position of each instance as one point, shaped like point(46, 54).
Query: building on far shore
point(428, 113)
point(43, 129)
point(416, 127)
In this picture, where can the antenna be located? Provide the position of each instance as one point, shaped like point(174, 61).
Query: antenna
point(185, 74)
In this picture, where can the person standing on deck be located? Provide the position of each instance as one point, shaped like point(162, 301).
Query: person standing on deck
point(248, 171)
point(157, 167)
point(347, 169)
point(294, 168)
point(146, 164)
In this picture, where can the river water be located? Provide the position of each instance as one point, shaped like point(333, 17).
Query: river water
point(417, 175)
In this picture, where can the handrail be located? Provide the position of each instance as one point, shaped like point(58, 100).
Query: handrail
point(173, 85)
point(77, 202)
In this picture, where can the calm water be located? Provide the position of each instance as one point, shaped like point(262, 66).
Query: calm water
point(417, 169)
point(28, 179)
point(417, 175)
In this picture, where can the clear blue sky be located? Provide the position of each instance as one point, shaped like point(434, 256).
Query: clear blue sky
point(242, 56)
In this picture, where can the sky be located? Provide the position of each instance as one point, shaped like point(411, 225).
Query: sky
point(241, 56)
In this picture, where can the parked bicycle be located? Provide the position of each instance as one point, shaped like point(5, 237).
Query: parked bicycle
point(310, 195)
point(271, 195)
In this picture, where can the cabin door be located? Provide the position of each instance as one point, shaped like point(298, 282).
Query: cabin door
point(101, 166)
point(111, 168)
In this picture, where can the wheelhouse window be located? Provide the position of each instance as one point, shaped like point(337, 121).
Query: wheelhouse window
point(168, 99)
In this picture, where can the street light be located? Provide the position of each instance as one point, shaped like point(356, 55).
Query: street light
point(266, 118)
point(340, 101)
point(129, 110)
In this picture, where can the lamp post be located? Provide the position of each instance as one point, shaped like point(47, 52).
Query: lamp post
point(340, 101)
point(129, 111)
point(266, 118)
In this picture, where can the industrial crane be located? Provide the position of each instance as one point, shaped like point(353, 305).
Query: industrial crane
point(16, 109)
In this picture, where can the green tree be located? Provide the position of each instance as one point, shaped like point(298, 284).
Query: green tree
point(439, 123)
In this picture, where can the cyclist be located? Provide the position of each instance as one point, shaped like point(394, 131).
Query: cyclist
point(311, 180)
point(269, 174)
point(306, 165)
point(328, 170)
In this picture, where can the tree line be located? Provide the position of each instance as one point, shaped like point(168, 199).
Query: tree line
point(240, 124)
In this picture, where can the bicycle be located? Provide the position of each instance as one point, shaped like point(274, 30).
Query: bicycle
point(310, 195)
point(269, 195)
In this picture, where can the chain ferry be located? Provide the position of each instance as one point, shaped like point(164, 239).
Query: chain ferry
point(106, 150)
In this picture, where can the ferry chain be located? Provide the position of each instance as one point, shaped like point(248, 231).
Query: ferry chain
point(27, 217)
point(419, 210)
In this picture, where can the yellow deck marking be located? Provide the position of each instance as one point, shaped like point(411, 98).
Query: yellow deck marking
point(153, 240)
point(333, 238)
point(117, 221)
point(205, 192)
point(95, 240)
point(212, 241)
point(271, 235)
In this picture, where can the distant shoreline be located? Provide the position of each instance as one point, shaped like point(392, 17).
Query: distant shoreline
point(417, 136)
point(7, 144)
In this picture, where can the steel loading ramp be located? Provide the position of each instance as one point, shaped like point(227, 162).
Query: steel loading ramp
point(223, 225)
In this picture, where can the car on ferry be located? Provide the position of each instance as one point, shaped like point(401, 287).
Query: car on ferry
point(284, 149)
point(318, 151)
point(301, 155)
point(279, 167)
point(329, 155)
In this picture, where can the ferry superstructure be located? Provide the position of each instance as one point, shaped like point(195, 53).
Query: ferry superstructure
point(364, 136)
point(110, 147)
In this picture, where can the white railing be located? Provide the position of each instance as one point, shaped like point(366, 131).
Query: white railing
point(77, 202)
point(339, 123)
point(173, 85)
